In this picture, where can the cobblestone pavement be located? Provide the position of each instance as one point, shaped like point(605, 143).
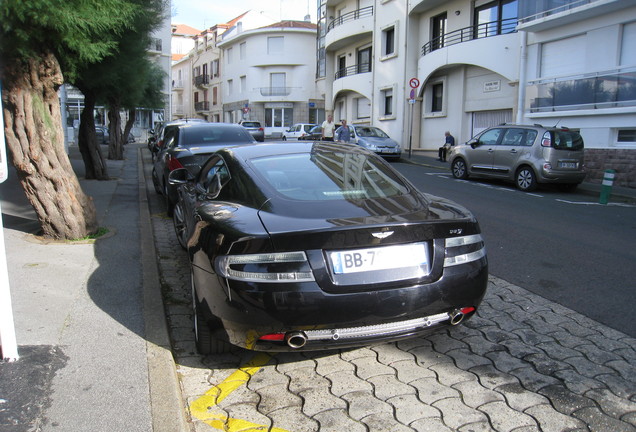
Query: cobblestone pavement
point(523, 364)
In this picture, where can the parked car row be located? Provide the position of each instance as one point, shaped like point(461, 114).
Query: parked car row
point(312, 245)
point(103, 135)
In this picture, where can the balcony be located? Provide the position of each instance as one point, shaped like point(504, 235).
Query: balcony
point(177, 85)
point(202, 106)
point(353, 70)
point(484, 30)
point(201, 80)
point(611, 89)
point(539, 16)
point(349, 28)
point(351, 16)
point(155, 45)
point(275, 91)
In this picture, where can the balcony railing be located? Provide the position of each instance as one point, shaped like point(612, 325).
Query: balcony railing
point(353, 70)
point(201, 80)
point(531, 11)
point(590, 91)
point(356, 14)
point(276, 91)
point(202, 106)
point(493, 28)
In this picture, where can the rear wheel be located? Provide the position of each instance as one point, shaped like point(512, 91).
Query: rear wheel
point(459, 170)
point(155, 181)
point(525, 179)
point(206, 328)
point(178, 220)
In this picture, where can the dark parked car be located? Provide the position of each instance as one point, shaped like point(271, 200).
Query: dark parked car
point(157, 138)
point(306, 246)
point(255, 128)
point(187, 146)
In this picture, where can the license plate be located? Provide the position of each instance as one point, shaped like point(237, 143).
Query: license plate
point(380, 258)
point(568, 165)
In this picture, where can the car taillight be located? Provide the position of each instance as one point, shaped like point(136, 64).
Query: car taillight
point(173, 163)
point(465, 249)
point(260, 129)
point(546, 141)
point(266, 267)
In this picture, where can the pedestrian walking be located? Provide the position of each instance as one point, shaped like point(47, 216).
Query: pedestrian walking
point(343, 133)
point(443, 150)
point(328, 127)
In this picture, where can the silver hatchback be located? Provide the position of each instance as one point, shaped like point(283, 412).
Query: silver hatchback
point(525, 155)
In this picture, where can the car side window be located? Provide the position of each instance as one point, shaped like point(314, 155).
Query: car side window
point(490, 137)
point(514, 137)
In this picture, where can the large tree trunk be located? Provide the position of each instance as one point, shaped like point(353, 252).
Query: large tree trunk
point(132, 113)
point(94, 163)
point(34, 136)
point(116, 145)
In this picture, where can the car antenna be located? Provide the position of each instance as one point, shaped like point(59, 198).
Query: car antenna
point(557, 123)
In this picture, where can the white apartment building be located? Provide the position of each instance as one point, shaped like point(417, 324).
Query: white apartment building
point(418, 68)
point(269, 76)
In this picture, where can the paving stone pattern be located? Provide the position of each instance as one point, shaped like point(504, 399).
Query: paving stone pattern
point(523, 364)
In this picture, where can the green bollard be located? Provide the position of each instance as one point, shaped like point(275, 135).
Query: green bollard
point(606, 188)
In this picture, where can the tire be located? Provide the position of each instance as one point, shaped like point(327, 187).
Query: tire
point(525, 179)
point(155, 182)
point(205, 336)
point(178, 220)
point(459, 169)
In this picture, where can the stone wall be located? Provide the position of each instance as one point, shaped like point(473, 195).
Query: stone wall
point(623, 161)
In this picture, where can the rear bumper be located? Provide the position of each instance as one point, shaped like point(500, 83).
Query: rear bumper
point(555, 176)
point(250, 311)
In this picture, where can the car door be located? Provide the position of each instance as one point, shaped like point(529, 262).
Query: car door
point(514, 144)
point(481, 154)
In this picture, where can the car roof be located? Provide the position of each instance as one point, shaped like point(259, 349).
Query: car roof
point(277, 148)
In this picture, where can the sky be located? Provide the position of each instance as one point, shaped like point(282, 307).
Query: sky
point(202, 14)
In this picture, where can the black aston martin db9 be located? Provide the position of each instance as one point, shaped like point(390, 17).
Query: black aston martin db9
point(308, 246)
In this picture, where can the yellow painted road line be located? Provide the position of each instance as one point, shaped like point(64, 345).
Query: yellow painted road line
point(204, 407)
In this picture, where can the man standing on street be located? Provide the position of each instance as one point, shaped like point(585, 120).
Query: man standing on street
point(328, 127)
point(443, 150)
point(343, 133)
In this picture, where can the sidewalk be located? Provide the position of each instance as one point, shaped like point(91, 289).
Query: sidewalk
point(429, 158)
point(89, 317)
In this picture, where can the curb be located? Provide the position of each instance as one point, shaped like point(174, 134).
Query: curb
point(166, 403)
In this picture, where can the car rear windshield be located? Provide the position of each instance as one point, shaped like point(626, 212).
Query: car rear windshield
point(323, 176)
point(566, 140)
point(215, 134)
point(251, 124)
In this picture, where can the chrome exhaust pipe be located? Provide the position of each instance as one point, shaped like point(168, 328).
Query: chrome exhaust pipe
point(296, 339)
point(456, 316)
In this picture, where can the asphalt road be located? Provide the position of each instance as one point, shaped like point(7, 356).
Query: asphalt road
point(561, 246)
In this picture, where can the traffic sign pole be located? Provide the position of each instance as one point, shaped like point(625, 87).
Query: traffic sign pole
point(8, 343)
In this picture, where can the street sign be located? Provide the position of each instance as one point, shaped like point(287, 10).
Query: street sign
point(414, 83)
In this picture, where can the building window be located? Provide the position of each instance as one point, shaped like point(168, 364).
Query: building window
point(243, 84)
point(242, 50)
point(228, 53)
point(388, 41)
point(387, 102)
point(438, 31)
point(215, 68)
point(316, 115)
point(364, 60)
point(628, 44)
point(215, 95)
point(363, 108)
point(626, 136)
point(275, 45)
point(277, 84)
point(437, 98)
point(230, 87)
point(279, 117)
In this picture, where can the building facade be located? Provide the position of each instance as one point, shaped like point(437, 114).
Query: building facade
point(268, 76)
point(432, 66)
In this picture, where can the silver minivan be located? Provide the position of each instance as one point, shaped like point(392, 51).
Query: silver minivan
point(526, 155)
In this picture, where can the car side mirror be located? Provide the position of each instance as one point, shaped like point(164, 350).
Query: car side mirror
point(151, 131)
point(179, 176)
point(474, 143)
